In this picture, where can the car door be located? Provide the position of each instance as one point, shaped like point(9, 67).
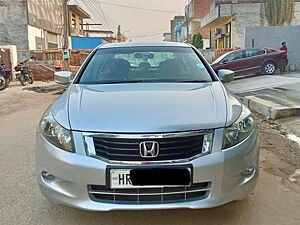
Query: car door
point(253, 61)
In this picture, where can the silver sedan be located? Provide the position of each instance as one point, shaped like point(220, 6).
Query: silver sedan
point(146, 126)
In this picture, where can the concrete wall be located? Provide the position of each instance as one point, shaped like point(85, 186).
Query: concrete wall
point(13, 25)
point(244, 15)
point(273, 37)
point(13, 54)
point(209, 54)
point(296, 20)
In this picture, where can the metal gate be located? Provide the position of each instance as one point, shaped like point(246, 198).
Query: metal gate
point(5, 57)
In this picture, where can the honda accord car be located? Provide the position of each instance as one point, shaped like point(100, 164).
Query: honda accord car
point(252, 61)
point(146, 126)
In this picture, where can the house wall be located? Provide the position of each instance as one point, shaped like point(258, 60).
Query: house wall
point(200, 9)
point(242, 18)
point(296, 20)
point(13, 26)
point(273, 37)
point(173, 25)
point(13, 54)
point(75, 29)
point(47, 15)
point(36, 38)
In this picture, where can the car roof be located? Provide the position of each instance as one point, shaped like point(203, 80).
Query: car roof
point(144, 44)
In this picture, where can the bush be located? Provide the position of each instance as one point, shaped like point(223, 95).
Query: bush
point(198, 41)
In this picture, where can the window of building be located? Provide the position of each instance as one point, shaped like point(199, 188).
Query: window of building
point(73, 23)
point(39, 43)
point(52, 41)
point(228, 42)
point(228, 28)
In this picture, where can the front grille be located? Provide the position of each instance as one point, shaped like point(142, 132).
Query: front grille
point(197, 191)
point(127, 149)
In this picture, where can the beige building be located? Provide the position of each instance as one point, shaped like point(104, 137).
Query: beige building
point(76, 17)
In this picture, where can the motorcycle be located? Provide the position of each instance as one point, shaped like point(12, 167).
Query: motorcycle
point(5, 77)
point(23, 74)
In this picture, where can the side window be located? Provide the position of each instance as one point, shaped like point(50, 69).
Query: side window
point(261, 51)
point(233, 56)
point(254, 52)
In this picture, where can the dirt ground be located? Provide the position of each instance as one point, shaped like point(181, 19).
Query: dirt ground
point(276, 199)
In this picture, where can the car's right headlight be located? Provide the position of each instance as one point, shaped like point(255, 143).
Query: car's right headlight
point(239, 130)
point(55, 133)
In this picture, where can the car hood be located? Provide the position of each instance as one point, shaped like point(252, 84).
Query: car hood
point(147, 107)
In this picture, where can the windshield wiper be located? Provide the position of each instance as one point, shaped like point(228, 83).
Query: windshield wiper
point(122, 82)
point(192, 81)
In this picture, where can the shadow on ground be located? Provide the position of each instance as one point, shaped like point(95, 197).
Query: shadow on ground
point(54, 89)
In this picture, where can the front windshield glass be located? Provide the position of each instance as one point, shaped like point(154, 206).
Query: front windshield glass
point(221, 58)
point(145, 64)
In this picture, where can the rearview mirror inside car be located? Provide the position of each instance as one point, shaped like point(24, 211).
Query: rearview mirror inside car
point(63, 77)
point(144, 56)
point(226, 76)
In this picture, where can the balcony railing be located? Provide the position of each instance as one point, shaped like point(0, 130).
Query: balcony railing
point(213, 15)
point(222, 10)
point(76, 31)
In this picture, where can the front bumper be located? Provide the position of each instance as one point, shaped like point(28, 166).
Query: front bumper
point(233, 174)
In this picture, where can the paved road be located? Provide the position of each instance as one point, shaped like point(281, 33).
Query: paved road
point(273, 202)
point(263, 82)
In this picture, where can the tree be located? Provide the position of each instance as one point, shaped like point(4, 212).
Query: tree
point(198, 41)
point(279, 12)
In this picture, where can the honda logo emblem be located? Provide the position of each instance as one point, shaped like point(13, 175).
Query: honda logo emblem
point(149, 149)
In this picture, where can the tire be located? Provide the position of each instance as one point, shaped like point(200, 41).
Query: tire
point(22, 80)
point(30, 78)
point(269, 68)
point(3, 83)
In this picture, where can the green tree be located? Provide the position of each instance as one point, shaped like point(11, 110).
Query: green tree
point(198, 41)
point(279, 12)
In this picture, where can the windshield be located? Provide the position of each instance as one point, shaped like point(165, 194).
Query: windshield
point(221, 58)
point(145, 64)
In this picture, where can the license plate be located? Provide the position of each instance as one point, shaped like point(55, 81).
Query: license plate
point(149, 178)
point(120, 178)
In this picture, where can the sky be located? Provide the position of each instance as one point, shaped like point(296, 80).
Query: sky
point(136, 23)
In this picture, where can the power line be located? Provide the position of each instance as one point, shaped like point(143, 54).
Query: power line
point(105, 15)
point(146, 35)
point(91, 10)
point(92, 6)
point(106, 18)
point(138, 8)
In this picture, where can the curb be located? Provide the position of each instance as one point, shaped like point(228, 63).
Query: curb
point(270, 109)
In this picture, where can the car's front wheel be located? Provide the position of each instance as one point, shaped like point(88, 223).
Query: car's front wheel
point(269, 68)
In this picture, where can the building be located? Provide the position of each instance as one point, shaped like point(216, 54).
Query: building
point(174, 22)
point(76, 17)
point(167, 36)
point(228, 19)
point(181, 32)
point(80, 36)
point(194, 12)
point(31, 25)
point(37, 25)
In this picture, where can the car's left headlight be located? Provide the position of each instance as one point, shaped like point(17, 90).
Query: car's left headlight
point(55, 133)
point(239, 130)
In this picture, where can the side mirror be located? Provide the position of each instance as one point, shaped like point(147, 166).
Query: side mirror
point(226, 76)
point(63, 77)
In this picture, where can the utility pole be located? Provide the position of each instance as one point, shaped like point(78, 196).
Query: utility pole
point(66, 29)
